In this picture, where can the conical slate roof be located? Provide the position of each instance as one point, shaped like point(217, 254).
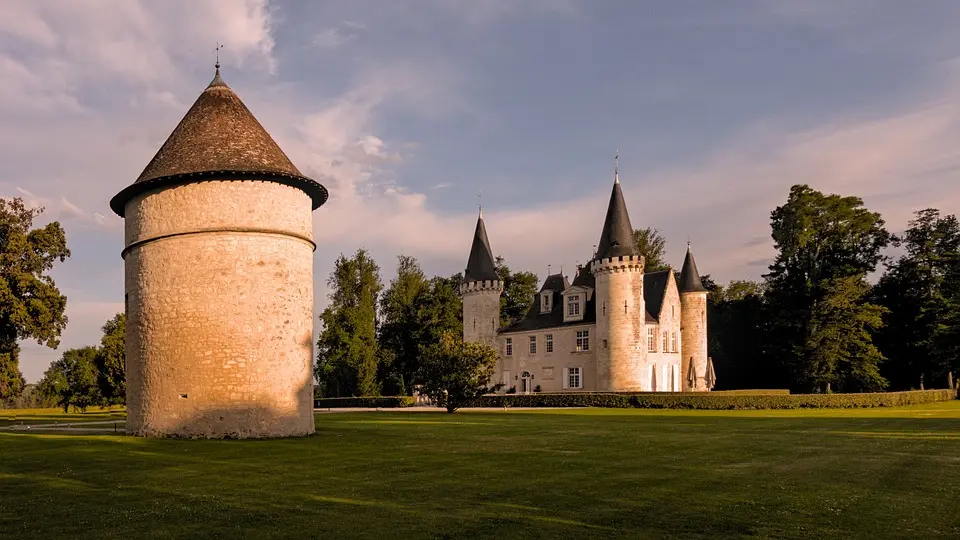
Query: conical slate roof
point(218, 139)
point(689, 277)
point(480, 264)
point(617, 236)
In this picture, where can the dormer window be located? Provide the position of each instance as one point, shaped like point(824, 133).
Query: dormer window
point(573, 305)
point(545, 304)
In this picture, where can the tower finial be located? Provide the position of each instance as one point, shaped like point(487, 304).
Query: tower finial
point(480, 202)
point(616, 167)
point(217, 52)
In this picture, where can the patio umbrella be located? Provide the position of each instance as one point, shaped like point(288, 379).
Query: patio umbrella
point(692, 374)
point(653, 379)
point(711, 375)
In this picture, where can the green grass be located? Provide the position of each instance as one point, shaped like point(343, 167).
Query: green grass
point(10, 417)
point(594, 473)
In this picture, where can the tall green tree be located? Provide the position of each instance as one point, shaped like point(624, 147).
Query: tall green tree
point(440, 310)
point(819, 239)
point(31, 306)
point(917, 290)
point(111, 374)
point(400, 328)
point(453, 372)
point(347, 354)
point(653, 246)
point(519, 290)
point(77, 379)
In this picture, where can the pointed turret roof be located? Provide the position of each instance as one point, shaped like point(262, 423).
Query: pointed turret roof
point(689, 277)
point(480, 264)
point(218, 139)
point(617, 236)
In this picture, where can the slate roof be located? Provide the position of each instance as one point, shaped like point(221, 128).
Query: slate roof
point(585, 277)
point(480, 263)
point(616, 239)
point(218, 138)
point(654, 289)
point(555, 282)
point(689, 277)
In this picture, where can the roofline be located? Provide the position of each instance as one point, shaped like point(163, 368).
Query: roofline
point(317, 192)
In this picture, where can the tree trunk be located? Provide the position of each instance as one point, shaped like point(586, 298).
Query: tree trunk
point(950, 379)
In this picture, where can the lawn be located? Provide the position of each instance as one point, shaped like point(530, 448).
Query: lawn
point(595, 473)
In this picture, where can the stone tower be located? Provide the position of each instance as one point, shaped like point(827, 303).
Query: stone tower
point(218, 264)
point(618, 270)
point(480, 290)
point(693, 326)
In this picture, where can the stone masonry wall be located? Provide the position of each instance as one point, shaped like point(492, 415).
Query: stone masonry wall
point(219, 281)
point(481, 314)
point(694, 334)
point(620, 323)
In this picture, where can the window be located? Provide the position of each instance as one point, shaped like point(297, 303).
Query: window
point(573, 305)
point(665, 348)
point(673, 311)
point(673, 342)
point(549, 343)
point(573, 378)
point(583, 340)
point(545, 303)
point(651, 340)
point(508, 347)
point(474, 324)
point(533, 344)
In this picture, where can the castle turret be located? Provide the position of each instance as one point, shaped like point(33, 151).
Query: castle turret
point(218, 264)
point(693, 327)
point(618, 270)
point(480, 289)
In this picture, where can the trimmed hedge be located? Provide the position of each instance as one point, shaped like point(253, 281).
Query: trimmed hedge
point(715, 401)
point(388, 402)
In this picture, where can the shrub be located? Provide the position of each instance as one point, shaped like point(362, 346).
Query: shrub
point(387, 402)
point(716, 401)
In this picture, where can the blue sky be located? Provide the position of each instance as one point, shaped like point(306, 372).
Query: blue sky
point(406, 110)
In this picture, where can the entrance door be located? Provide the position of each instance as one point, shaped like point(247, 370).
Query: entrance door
point(525, 383)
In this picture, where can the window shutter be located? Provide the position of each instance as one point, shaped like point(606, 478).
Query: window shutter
point(566, 378)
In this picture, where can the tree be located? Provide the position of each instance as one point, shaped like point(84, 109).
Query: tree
point(347, 345)
point(840, 353)
point(111, 376)
point(653, 246)
point(918, 293)
point(75, 379)
point(53, 385)
point(819, 239)
point(399, 328)
point(519, 290)
point(453, 372)
point(31, 306)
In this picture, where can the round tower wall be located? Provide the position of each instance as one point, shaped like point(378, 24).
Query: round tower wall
point(219, 280)
point(620, 323)
point(693, 336)
point(481, 311)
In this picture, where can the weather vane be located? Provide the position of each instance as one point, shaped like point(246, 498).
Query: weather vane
point(217, 52)
point(480, 201)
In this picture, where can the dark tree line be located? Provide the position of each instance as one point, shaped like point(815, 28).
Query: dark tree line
point(815, 323)
point(377, 340)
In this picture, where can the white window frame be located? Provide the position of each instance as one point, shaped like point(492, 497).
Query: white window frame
point(666, 342)
point(574, 375)
point(651, 339)
point(673, 342)
point(573, 305)
point(583, 341)
point(549, 343)
point(533, 345)
point(545, 306)
point(508, 347)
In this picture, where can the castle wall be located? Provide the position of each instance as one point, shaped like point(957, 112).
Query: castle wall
point(694, 331)
point(621, 344)
point(219, 280)
point(547, 368)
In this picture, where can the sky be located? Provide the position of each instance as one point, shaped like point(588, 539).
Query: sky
point(410, 111)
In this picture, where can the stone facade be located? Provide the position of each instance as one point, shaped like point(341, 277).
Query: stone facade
point(620, 322)
point(694, 332)
point(219, 281)
point(218, 271)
